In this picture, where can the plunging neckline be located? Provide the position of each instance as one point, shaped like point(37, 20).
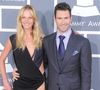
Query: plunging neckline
point(33, 53)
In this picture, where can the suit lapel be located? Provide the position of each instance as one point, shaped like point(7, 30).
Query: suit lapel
point(69, 50)
point(54, 51)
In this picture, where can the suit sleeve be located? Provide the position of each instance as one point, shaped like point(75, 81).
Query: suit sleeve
point(86, 59)
point(45, 59)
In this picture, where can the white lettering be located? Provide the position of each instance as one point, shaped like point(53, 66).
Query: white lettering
point(93, 24)
point(78, 23)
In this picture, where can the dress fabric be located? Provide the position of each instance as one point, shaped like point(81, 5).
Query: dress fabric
point(30, 76)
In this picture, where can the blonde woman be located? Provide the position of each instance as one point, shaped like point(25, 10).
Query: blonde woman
point(27, 52)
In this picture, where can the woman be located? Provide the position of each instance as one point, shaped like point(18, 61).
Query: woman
point(27, 52)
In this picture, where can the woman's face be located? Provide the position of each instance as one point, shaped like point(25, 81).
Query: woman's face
point(27, 20)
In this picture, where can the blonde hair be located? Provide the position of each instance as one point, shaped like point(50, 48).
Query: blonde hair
point(37, 34)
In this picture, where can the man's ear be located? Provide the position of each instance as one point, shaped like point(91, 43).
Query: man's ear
point(77, 33)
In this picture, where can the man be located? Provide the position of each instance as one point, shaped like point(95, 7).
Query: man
point(67, 55)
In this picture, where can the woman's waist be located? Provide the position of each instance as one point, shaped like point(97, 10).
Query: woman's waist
point(25, 82)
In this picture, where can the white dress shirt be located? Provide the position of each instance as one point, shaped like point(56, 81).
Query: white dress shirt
point(66, 39)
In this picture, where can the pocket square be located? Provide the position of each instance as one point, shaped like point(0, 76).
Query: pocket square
point(75, 52)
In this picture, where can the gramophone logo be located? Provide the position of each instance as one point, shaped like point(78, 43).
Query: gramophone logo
point(85, 8)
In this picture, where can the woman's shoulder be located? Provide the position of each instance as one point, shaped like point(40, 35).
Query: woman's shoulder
point(12, 36)
point(13, 40)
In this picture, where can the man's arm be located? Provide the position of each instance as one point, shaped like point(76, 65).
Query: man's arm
point(86, 59)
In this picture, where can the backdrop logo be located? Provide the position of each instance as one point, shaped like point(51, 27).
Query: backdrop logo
point(13, 2)
point(85, 8)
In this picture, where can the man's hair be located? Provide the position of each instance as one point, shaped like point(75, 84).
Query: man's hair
point(62, 6)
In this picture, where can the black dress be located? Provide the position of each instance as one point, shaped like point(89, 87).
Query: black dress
point(30, 76)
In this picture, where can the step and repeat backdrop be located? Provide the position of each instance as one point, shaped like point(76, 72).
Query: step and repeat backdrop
point(86, 21)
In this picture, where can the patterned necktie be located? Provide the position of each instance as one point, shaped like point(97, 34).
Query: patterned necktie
point(61, 49)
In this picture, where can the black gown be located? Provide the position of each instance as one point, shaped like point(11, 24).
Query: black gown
point(30, 76)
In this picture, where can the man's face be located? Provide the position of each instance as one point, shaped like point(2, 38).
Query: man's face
point(63, 20)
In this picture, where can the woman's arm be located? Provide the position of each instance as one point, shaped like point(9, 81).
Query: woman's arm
point(41, 68)
point(3, 57)
point(42, 87)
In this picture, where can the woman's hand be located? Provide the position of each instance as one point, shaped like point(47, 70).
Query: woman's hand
point(16, 75)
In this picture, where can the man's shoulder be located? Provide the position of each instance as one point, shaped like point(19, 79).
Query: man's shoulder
point(80, 38)
point(50, 36)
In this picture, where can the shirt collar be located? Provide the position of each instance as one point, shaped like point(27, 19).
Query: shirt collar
point(66, 34)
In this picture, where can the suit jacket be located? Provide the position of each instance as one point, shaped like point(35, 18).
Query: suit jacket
point(76, 66)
